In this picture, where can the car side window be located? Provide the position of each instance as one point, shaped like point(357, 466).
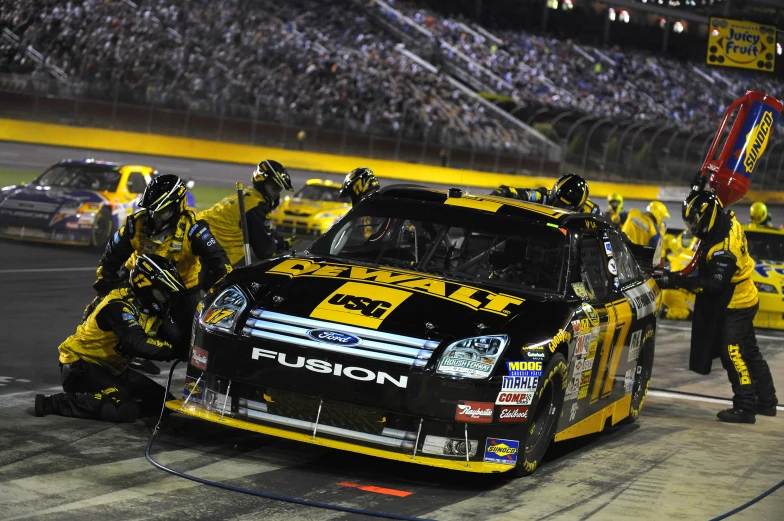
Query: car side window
point(628, 271)
point(593, 271)
point(136, 183)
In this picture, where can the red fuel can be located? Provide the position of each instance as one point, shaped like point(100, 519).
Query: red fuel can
point(731, 168)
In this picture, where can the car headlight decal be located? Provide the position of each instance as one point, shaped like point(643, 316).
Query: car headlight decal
point(325, 215)
point(473, 357)
point(765, 288)
point(225, 310)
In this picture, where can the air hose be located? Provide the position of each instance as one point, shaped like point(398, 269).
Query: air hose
point(371, 513)
point(258, 493)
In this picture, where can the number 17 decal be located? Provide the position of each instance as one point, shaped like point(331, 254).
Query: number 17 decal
point(619, 316)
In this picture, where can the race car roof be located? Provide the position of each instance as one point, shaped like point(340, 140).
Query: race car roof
point(89, 162)
point(482, 202)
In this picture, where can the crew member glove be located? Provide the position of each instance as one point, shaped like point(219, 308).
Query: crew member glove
point(104, 286)
point(699, 182)
point(662, 278)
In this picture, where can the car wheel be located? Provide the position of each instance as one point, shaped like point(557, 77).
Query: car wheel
point(546, 406)
point(642, 377)
point(102, 228)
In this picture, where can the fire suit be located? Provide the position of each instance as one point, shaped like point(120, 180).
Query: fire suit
point(618, 218)
point(724, 311)
point(542, 196)
point(641, 228)
point(224, 221)
point(94, 360)
point(200, 259)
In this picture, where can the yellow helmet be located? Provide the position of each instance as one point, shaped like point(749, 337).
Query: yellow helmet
point(758, 212)
point(658, 210)
point(615, 198)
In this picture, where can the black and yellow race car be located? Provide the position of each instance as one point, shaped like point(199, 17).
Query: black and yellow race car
point(433, 327)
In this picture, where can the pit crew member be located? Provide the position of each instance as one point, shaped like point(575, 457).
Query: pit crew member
point(724, 308)
point(131, 321)
point(760, 218)
point(358, 184)
point(569, 192)
point(615, 211)
point(269, 179)
point(647, 229)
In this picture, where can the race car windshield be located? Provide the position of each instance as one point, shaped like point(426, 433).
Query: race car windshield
point(321, 193)
point(83, 177)
point(450, 241)
point(765, 246)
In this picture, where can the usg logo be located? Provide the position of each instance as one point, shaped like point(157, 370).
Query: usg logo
point(333, 337)
point(366, 306)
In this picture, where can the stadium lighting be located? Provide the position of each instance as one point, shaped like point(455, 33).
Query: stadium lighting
point(662, 22)
point(715, 32)
point(778, 49)
point(611, 14)
point(624, 17)
point(677, 27)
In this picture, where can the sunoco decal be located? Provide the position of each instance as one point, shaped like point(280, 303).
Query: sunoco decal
point(475, 298)
point(501, 451)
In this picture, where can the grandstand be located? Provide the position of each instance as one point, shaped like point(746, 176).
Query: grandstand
point(397, 73)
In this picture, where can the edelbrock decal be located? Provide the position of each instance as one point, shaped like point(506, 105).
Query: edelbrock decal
point(324, 367)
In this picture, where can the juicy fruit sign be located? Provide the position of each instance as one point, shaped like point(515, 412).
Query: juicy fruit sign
point(735, 43)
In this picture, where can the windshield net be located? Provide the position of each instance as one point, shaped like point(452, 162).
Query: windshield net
point(84, 177)
point(449, 241)
point(321, 193)
point(765, 246)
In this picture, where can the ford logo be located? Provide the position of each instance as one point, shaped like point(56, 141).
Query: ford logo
point(333, 337)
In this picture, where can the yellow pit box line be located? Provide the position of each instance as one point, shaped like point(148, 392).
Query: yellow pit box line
point(197, 411)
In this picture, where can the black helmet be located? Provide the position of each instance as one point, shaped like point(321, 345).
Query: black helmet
point(153, 279)
point(164, 200)
point(506, 191)
point(700, 212)
point(359, 183)
point(570, 192)
point(269, 170)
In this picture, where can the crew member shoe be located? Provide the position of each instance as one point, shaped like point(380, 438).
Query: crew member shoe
point(146, 366)
point(736, 416)
point(766, 410)
point(43, 405)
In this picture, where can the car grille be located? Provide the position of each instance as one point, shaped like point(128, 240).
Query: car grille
point(375, 345)
point(298, 214)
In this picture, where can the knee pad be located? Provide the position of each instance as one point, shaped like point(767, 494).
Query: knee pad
point(125, 412)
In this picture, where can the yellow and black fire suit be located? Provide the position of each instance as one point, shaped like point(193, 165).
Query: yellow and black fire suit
point(642, 228)
point(94, 360)
point(542, 196)
point(200, 259)
point(618, 218)
point(724, 312)
point(224, 220)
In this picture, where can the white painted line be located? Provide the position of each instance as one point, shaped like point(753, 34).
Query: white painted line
point(682, 328)
point(679, 396)
point(47, 270)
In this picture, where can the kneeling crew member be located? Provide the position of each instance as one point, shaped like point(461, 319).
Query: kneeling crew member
point(131, 321)
point(269, 179)
point(724, 308)
point(569, 192)
point(647, 229)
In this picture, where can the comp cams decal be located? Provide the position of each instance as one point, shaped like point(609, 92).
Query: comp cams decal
point(322, 366)
point(475, 298)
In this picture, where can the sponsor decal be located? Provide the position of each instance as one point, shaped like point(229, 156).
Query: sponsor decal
point(474, 298)
point(514, 398)
point(453, 447)
point(519, 383)
point(199, 358)
point(634, 345)
point(524, 368)
point(592, 349)
point(757, 141)
point(73, 225)
point(590, 312)
point(322, 366)
point(128, 317)
point(573, 410)
point(579, 289)
point(574, 385)
point(608, 249)
point(513, 414)
point(628, 381)
point(583, 392)
point(611, 267)
point(588, 364)
point(533, 354)
point(578, 366)
point(576, 327)
point(740, 365)
point(333, 337)
point(215, 315)
point(465, 366)
point(581, 347)
point(474, 412)
point(363, 305)
point(501, 451)
point(196, 392)
point(561, 337)
point(585, 378)
point(642, 299)
point(648, 334)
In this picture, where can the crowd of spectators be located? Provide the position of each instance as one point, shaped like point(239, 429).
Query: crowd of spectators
point(325, 63)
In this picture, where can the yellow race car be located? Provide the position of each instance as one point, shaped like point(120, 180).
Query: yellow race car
point(312, 210)
point(766, 246)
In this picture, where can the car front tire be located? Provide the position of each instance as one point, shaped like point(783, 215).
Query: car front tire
point(101, 231)
point(546, 410)
point(642, 378)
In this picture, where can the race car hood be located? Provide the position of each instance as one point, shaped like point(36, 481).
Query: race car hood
point(397, 301)
point(769, 272)
point(42, 206)
point(306, 207)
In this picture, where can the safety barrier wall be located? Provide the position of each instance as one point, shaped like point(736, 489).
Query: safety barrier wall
point(169, 146)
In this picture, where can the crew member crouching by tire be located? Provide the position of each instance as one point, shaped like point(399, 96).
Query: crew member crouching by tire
point(269, 179)
point(131, 321)
point(724, 309)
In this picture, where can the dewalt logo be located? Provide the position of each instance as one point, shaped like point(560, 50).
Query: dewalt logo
point(757, 141)
point(740, 365)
